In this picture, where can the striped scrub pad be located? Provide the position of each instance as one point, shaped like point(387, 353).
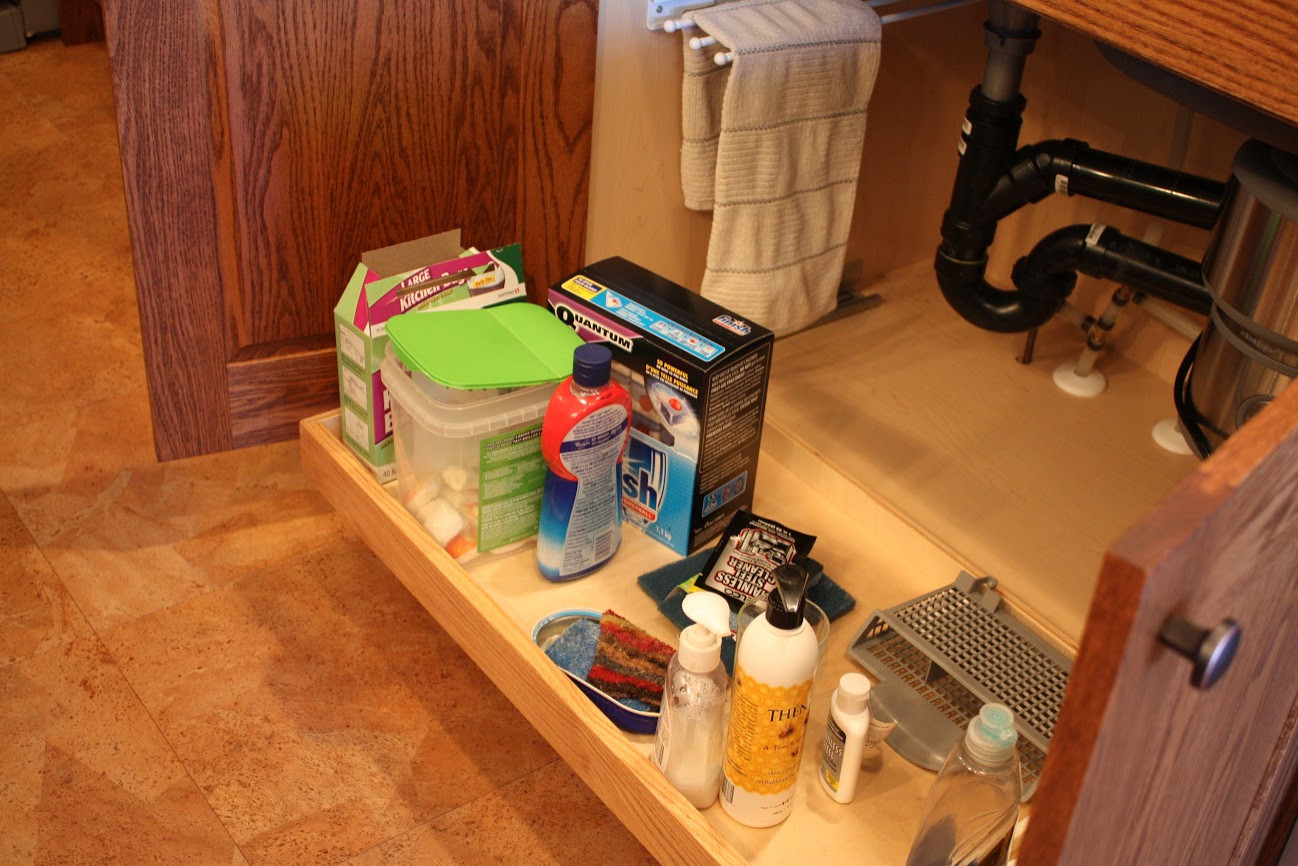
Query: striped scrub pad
point(630, 664)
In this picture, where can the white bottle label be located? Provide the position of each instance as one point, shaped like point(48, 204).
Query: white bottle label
point(875, 735)
point(663, 735)
point(590, 451)
point(831, 759)
point(764, 749)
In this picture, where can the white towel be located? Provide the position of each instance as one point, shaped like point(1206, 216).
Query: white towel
point(772, 145)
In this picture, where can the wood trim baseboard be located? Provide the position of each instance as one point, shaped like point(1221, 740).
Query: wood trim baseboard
point(269, 396)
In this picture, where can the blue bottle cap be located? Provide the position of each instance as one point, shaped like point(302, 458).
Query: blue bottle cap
point(592, 364)
point(991, 737)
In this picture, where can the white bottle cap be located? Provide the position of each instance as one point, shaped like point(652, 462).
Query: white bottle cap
point(853, 694)
point(700, 649)
point(990, 738)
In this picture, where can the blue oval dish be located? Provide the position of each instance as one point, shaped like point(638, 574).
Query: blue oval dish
point(626, 718)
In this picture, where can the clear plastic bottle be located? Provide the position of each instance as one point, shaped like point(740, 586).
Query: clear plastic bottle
point(689, 742)
point(970, 812)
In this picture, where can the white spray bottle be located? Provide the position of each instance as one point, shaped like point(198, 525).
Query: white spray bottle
point(690, 740)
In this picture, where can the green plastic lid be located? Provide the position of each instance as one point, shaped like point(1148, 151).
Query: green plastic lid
point(509, 346)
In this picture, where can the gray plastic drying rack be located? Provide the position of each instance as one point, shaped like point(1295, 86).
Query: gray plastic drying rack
point(941, 656)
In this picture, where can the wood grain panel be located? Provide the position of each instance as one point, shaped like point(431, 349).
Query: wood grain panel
point(557, 96)
point(1244, 49)
point(80, 21)
point(344, 124)
point(160, 64)
point(1173, 774)
point(269, 396)
point(486, 165)
point(267, 145)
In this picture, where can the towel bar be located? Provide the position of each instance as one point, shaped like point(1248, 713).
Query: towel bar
point(666, 14)
point(918, 10)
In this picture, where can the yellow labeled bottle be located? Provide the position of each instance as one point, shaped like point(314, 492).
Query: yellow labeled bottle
point(774, 667)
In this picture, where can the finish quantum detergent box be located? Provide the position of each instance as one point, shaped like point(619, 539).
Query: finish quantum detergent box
point(424, 275)
point(697, 375)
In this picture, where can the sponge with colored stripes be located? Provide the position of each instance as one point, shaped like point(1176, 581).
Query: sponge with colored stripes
point(630, 664)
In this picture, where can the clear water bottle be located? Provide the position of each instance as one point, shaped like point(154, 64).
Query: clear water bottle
point(970, 812)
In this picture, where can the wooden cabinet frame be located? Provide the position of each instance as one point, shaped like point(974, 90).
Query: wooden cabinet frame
point(266, 145)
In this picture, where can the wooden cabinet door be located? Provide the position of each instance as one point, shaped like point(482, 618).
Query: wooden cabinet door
point(1143, 768)
point(265, 145)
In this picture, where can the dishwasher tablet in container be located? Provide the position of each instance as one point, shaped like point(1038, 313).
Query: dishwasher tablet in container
point(468, 454)
point(390, 282)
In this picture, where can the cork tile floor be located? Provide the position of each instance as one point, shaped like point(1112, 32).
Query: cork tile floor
point(199, 664)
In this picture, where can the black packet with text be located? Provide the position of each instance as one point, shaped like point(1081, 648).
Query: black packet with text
point(749, 550)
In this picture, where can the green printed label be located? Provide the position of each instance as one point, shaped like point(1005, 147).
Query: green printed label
point(512, 479)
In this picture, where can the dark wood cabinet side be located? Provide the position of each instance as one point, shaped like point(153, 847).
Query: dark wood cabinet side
point(266, 146)
point(1144, 768)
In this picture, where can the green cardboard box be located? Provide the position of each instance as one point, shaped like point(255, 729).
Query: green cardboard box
point(425, 275)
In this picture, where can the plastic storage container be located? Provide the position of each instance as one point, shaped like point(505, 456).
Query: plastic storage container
point(469, 463)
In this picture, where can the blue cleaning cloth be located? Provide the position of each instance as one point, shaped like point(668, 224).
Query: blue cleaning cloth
point(574, 649)
point(663, 586)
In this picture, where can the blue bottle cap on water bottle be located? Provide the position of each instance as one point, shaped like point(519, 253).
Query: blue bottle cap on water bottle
point(991, 737)
point(592, 364)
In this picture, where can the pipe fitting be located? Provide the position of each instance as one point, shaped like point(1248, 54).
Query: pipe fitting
point(966, 289)
point(1106, 253)
point(1050, 270)
point(1011, 34)
point(994, 178)
point(1073, 167)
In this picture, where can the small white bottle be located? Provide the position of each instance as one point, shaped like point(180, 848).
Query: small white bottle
point(845, 732)
point(690, 739)
point(775, 664)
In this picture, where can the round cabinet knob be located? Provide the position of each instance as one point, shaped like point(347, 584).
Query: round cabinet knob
point(1211, 649)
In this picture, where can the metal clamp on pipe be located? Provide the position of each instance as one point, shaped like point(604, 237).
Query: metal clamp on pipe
point(1051, 269)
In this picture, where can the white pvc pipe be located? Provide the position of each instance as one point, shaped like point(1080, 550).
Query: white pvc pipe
point(1171, 316)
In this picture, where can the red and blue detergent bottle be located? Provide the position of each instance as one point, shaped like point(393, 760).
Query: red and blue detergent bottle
point(583, 437)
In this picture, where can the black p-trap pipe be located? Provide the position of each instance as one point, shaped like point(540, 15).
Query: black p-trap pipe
point(994, 179)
